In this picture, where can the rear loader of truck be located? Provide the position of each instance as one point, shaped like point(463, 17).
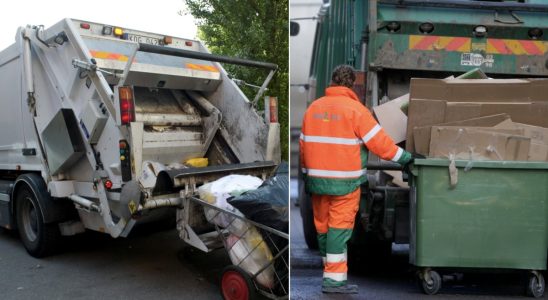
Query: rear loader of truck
point(389, 42)
point(104, 127)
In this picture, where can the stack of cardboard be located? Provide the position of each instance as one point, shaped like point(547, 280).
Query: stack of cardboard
point(470, 117)
point(480, 119)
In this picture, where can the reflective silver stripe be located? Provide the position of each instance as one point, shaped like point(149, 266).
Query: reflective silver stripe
point(335, 276)
point(398, 155)
point(337, 174)
point(330, 140)
point(324, 260)
point(371, 133)
point(336, 258)
point(302, 136)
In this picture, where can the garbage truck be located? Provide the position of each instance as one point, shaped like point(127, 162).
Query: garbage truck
point(104, 127)
point(389, 42)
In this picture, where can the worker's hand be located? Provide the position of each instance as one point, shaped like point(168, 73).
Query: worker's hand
point(413, 156)
point(406, 158)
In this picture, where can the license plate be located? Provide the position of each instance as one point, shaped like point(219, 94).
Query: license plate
point(143, 39)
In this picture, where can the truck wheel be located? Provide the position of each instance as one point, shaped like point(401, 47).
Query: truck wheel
point(535, 286)
point(236, 284)
point(309, 229)
point(432, 287)
point(39, 239)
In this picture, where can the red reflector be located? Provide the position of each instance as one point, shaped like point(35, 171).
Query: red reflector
point(85, 25)
point(108, 184)
point(188, 43)
point(273, 110)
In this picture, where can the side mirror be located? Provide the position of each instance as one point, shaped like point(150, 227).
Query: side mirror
point(294, 28)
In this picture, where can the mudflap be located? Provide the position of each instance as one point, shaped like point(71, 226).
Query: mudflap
point(6, 219)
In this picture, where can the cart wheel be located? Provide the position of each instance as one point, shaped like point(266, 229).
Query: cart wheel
point(434, 286)
point(236, 284)
point(535, 286)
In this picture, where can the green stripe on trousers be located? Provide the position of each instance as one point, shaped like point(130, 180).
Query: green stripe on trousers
point(322, 242)
point(337, 239)
point(328, 282)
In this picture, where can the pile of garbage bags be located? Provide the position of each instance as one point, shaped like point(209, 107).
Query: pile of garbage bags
point(266, 203)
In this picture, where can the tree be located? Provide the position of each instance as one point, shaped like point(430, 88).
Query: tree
point(252, 29)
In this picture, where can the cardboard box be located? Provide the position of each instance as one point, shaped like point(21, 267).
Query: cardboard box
point(473, 143)
point(435, 101)
point(538, 150)
point(392, 118)
point(392, 115)
point(422, 134)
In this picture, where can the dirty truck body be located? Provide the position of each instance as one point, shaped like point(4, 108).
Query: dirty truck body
point(87, 107)
point(389, 42)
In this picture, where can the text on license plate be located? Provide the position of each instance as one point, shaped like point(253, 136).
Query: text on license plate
point(143, 39)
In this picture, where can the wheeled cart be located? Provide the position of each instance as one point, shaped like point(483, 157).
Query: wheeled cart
point(259, 253)
point(481, 215)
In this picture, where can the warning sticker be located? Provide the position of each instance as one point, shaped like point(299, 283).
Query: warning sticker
point(476, 60)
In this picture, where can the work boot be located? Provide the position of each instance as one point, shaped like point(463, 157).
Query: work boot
point(343, 289)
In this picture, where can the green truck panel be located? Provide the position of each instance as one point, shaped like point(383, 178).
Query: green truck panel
point(344, 32)
point(395, 51)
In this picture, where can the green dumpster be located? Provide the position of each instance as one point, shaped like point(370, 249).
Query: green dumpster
point(493, 215)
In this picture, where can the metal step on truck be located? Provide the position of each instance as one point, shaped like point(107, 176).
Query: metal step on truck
point(100, 125)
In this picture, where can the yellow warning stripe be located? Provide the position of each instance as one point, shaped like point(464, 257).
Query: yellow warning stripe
point(516, 47)
point(108, 55)
point(200, 67)
point(446, 43)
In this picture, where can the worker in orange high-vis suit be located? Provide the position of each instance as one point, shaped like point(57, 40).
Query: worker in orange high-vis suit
point(336, 133)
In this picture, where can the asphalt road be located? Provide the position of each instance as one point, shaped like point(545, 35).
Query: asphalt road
point(392, 279)
point(150, 264)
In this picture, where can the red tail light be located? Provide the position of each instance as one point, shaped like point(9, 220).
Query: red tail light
point(85, 26)
point(127, 108)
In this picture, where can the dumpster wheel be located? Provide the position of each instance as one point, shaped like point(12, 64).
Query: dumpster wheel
point(429, 281)
point(535, 285)
point(236, 284)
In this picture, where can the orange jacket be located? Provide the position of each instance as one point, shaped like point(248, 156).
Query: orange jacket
point(335, 129)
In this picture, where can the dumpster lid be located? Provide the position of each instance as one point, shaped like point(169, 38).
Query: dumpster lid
point(483, 164)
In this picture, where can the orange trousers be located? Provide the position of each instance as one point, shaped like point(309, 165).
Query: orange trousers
point(334, 218)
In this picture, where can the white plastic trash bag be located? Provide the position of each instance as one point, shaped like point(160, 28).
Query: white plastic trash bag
point(218, 191)
point(252, 254)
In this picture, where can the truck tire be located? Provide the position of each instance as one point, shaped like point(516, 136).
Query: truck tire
point(40, 239)
point(309, 230)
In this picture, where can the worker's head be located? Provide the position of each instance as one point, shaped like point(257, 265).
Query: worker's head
point(343, 75)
